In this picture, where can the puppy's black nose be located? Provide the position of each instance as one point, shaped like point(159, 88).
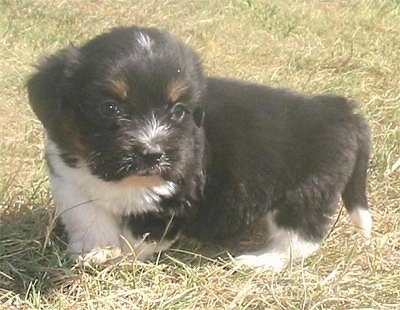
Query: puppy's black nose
point(152, 155)
point(152, 158)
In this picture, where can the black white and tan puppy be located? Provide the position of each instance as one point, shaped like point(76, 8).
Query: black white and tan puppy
point(143, 148)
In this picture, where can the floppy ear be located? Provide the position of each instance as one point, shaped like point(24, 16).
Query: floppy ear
point(44, 86)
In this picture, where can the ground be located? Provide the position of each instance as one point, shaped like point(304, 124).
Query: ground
point(346, 47)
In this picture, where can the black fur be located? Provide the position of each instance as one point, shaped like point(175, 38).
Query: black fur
point(240, 150)
point(276, 149)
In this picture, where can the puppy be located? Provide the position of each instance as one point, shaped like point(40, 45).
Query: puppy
point(143, 148)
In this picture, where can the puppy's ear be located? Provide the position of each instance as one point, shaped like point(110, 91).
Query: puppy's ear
point(44, 86)
point(198, 116)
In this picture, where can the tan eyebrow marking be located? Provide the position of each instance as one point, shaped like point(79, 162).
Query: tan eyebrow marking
point(176, 89)
point(118, 87)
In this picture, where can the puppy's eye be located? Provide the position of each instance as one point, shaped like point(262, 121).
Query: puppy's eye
point(178, 112)
point(109, 109)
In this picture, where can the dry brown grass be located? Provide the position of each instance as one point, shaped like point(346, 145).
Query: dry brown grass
point(349, 47)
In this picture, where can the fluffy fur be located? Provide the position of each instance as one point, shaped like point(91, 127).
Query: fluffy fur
point(142, 148)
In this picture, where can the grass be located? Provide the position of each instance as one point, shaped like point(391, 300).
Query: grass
point(348, 47)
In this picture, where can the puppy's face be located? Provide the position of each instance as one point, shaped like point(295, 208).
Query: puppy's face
point(126, 104)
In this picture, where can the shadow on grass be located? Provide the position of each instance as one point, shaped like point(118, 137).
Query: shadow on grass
point(31, 261)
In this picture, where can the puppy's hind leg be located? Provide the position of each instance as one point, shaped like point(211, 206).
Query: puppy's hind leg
point(284, 245)
point(354, 194)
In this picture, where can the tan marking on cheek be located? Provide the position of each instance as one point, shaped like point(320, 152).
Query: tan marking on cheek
point(117, 87)
point(80, 147)
point(70, 131)
point(175, 90)
point(149, 181)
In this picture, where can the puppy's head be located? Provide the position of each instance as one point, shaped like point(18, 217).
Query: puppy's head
point(126, 104)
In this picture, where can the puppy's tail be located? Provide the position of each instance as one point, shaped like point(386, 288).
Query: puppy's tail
point(354, 194)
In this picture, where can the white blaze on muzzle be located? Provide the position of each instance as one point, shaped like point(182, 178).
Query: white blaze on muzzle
point(152, 131)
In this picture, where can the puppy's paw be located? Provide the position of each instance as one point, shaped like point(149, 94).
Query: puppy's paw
point(97, 256)
point(93, 246)
point(265, 261)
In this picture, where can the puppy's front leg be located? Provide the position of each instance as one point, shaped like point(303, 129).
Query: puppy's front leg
point(92, 231)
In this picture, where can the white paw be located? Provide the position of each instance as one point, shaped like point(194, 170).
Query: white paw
point(88, 240)
point(93, 251)
point(272, 261)
point(362, 221)
point(97, 256)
